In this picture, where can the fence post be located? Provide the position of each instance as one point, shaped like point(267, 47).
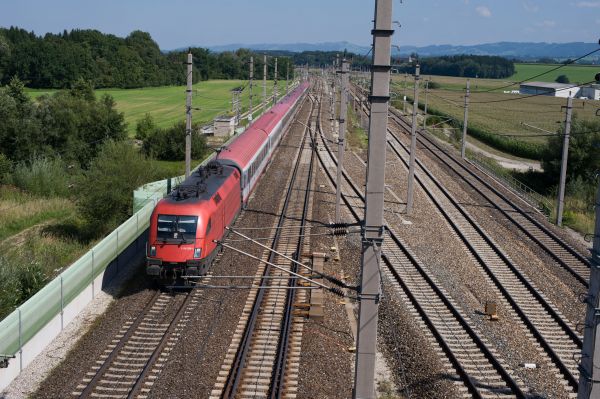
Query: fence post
point(93, 278)
point(117, 251)
point(62, 304)
point(20, 342)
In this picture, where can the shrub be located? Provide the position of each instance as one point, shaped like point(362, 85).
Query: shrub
point(43, 176)
point(105, 189)
point(562, 79)
point(144, 127)
point(5, 168)
point(169, 144)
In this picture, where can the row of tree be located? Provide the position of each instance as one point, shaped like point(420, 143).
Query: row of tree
point(468, 66)
point(59, 60)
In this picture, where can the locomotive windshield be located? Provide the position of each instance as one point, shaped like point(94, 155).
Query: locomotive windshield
point(177, 228)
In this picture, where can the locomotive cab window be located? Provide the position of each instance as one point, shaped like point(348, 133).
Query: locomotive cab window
point(176, 228)
point(208, 226)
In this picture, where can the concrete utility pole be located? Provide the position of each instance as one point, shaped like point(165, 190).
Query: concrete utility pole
point(341, 137)
point(404, 95)
point(287, 77)
point(275, 84)
point(590, 352)
point(265, 81)
point(373, 232)
point(188, 117)
point(413, 144)
point(250, 88)
point(466, 121)
point(563, 165)
point(426, 98)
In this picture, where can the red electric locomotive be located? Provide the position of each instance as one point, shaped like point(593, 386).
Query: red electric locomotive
point(185, 224)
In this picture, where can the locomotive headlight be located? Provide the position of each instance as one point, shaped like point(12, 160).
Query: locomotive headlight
point(153, 251)
point(197, 252)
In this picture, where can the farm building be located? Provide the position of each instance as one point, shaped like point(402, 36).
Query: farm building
point(591, 92)
point(549, 89)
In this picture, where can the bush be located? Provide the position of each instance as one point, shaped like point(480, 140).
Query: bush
point(18, 282)
point(562, 79)
point(5, 168)
point(169, 144)
point(144, 127)
point(43, 176)
point(105, 189)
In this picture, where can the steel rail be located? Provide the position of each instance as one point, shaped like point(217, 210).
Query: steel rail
point(573, 381)
point(236, 372)
point(466, 378)
point(544, 229)
point(277, 380)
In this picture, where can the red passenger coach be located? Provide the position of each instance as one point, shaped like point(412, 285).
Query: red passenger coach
point(185, 225)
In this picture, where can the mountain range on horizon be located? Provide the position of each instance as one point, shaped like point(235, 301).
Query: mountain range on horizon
point(519, 50)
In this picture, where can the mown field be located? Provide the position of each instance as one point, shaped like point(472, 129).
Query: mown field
point(495, 111)
point(575, 73)
point(167, 104)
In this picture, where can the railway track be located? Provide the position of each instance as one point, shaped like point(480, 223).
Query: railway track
point(475, 368)
point(564, 254)
point(264, 355)
point(136, 356)
point(547, 325)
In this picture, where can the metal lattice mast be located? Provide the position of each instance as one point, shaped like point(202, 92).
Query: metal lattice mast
point(563, 165)
point(413, 145)
point(341, 136)
point(373, 233)
point(463, 147)
point(188, 117)
point(590, 352)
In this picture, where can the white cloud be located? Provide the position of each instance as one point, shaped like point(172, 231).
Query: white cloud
point(483, 11)
point(588, 4)
point(546, 24)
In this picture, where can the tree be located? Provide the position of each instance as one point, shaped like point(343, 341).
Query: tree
point(144, 127)
point(169, 144)
point(584, 155)
point(562, 79)
point(105, 189)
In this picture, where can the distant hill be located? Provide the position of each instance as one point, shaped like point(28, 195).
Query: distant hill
point(524, 51)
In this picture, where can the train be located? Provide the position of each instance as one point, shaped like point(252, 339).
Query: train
point(186, 223)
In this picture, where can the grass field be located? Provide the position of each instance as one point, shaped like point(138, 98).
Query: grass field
point(167, 104)
point(575, 73)
point(495, 111)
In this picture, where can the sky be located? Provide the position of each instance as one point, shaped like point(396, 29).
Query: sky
point(181, 23)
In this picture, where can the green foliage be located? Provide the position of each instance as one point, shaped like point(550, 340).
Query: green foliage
point(43, 177)
point(60, 60)
point(470, 66)
point(18, 282)
point(169, 144)
point(562, 79)
point(434, 85)
point(104, 190)
point(144, 127)
point(5, 168)
point(584, 155)
point(68, 123)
